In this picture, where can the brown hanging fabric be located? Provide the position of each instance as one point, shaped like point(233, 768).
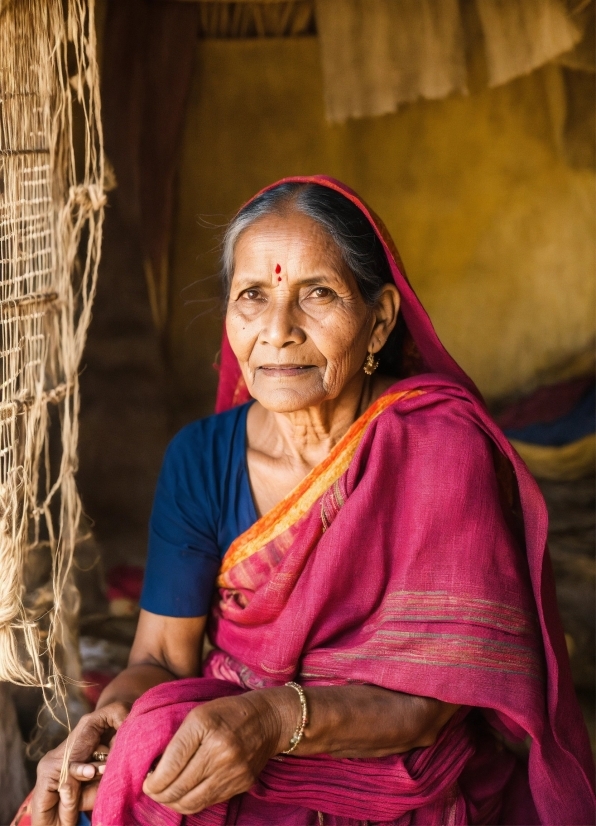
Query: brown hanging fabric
point(148, 59)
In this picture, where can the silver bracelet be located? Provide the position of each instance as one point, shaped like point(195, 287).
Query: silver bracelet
point(298, 734)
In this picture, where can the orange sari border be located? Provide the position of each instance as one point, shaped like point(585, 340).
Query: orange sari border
point(299, 501)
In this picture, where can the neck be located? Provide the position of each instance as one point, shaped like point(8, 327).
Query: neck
point(306, 436)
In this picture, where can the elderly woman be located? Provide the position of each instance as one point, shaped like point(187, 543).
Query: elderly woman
point(367, 553)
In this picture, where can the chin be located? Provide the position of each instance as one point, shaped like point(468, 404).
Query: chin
point(287, 400)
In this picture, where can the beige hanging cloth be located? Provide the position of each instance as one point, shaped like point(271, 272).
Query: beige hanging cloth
point(378, 54)
point(521, 35)
point(582, 57)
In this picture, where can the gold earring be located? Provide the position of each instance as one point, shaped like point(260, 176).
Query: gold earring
point(371, 364)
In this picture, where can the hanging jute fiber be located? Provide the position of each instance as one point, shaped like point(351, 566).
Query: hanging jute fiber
point(378, 55)
point(51, 214)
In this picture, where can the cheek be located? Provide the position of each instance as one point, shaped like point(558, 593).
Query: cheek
point(340, 369)
point(240, 335)
point(343, 341)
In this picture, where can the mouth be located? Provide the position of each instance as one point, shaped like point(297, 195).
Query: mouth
point(285, 370)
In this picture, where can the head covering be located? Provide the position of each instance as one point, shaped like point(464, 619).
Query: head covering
point(433, 356)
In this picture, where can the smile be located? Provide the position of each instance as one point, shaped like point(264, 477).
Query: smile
point(285, 370)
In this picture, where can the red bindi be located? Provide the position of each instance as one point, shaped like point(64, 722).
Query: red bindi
point(277, 269)
point(279, 277)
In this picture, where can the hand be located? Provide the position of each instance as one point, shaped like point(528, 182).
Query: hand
point(221, 748)
point(55, 805)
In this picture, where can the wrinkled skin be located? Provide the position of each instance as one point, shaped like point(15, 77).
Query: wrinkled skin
point(237, 736)
point(54, 806)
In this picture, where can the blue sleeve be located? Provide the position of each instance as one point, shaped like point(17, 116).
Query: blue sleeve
point(184, 557)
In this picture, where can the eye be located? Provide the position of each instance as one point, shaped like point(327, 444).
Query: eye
point(322, 293)
point(252, 294)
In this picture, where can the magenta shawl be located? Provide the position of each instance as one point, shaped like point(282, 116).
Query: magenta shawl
point(413, 558)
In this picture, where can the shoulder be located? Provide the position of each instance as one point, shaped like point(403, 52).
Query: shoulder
point(204, 448)
point(434, 408)
point(435, 422)
point(425, 442)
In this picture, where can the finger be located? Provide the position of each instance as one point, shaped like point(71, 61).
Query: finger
point(192, 774)
point(44, 803)
point(86, 736)
point(215, 789)
point(181, 748)
point(88, 795)
point(85, 772)
point(68, 803)
point(82, 771)
point(43, 807)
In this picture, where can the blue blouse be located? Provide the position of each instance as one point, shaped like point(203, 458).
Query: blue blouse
point(203, 501)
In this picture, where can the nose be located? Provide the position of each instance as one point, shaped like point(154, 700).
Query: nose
point(281, 327)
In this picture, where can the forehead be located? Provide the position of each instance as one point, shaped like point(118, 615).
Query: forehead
point(293, 238)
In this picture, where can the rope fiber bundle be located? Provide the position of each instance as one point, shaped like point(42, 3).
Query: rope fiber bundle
point(51, 215)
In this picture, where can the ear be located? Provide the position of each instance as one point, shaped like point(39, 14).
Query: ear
point(385, 312)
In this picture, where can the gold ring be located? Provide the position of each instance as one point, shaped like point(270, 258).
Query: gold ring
point(100, 756)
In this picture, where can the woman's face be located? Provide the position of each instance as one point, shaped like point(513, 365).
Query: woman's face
point(296, 320)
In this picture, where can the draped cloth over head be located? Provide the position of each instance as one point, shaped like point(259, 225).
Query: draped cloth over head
point(413, 558)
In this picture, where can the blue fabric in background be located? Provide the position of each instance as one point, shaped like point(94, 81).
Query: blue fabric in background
point(203, 501)
point(575, 425)
point(84, 819)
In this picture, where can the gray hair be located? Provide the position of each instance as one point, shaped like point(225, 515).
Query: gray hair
point(353, 235)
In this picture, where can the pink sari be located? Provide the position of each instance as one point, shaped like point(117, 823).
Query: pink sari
point(413, 558)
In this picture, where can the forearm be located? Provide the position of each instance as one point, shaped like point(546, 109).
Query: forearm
point(132, 682)
point(223, 745)
point(358, 720)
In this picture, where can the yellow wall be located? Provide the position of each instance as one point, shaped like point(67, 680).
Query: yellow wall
point(495, 229)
